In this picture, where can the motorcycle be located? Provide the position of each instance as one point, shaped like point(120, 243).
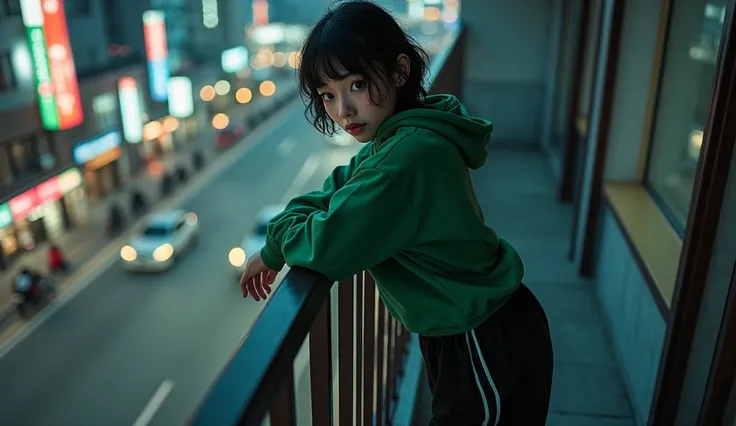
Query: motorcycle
point(39, 297)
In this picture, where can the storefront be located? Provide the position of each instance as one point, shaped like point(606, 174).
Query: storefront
point(8, 243)
point(42, 213)
point(75, 198)
point(98, 157)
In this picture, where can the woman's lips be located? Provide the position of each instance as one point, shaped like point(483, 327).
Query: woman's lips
point(355, 129)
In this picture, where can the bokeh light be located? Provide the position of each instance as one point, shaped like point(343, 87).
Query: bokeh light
point(222, 87)
point(267, 88)
point(207, 93)
point(220, 121)
point(243, 95)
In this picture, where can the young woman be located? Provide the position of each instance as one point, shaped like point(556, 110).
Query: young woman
point(405, 209)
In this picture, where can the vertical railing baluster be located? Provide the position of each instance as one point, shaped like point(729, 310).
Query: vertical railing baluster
point(391, 369)
point(345, 300)
point(400, 351)
point(320, 366)
point(358, 366)
point(283, 410)
point(369, 357)
point(380, 362)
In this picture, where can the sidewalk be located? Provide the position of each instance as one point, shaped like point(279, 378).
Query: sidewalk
point(518, 194)
point(80, 244)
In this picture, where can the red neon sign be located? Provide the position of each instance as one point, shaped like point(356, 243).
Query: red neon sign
point(127, 83)
point(260, 12)
point(49, 191)
point(154, 32)
point(61, 65)
point(22, 205)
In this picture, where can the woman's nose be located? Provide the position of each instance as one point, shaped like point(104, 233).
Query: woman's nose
point(346, 109)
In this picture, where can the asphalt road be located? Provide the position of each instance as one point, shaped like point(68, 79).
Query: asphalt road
point(131, 341)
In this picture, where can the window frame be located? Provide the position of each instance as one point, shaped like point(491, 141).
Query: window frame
point(646, 181)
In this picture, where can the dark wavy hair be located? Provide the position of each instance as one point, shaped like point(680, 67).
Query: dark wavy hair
point(361, 38)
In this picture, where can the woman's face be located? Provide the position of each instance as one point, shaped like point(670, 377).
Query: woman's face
point(349, 104)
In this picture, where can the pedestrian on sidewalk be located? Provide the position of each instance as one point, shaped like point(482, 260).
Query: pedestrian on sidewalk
point(57, 261)
point(405, 210)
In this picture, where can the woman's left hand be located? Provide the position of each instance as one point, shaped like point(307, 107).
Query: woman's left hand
point(257, 278)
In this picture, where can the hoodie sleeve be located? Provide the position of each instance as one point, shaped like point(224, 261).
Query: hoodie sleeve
point(368, 220)
point(304, 205)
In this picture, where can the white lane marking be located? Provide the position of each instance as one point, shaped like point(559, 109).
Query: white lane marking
point(107, 255)
point(307, 171)
point(286, 146)
point(154, 403)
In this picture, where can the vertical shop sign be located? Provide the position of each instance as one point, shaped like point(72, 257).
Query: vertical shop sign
point(57, 87)
point(157, 54)
point(130, 108)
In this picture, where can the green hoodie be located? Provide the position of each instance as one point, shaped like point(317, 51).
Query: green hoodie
point(405, 209)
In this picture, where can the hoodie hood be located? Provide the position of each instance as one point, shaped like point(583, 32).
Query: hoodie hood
point(446, 116)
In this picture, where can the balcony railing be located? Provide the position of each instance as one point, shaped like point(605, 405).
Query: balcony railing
point(321, 354)
point(357, 382)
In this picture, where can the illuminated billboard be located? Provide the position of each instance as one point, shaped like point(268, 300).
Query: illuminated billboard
point(130, 107)
point(235, 59)
point(260, 12)
point(157, 54)
point(181, 100)
point(57, 87)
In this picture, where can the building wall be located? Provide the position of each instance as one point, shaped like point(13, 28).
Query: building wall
point(125, 23)
point(636, 321)
point(89, 39)
point(636, 324)
point(19, 115)
point(660, 91)
point(507, 70)
point(97, 122)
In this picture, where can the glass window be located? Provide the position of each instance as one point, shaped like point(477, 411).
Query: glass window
point(46, 155)
point(24, 157)
point(157, 231)
point(7, 77)
point(6, 174)
point(688, 69)
point(105, 110)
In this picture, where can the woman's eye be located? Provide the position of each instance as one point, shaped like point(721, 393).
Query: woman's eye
point(357, 85)
point(326, 96)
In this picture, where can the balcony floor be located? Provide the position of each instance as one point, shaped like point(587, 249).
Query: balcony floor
point(518, 194)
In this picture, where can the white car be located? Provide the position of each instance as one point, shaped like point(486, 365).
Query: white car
point(167, 235)
point(340, 138)
point(254, 240)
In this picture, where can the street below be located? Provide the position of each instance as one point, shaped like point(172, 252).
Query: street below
point(134, 349)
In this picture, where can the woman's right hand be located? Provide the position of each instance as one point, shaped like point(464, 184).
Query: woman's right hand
point(257, 278)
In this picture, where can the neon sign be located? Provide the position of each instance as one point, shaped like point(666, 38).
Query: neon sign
point(22, 205)
point(56, 78)
point(157, 54)
point(260, 12)
point(130, 106)
point(181, 100)
point(90, 149)
point(6, 216)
